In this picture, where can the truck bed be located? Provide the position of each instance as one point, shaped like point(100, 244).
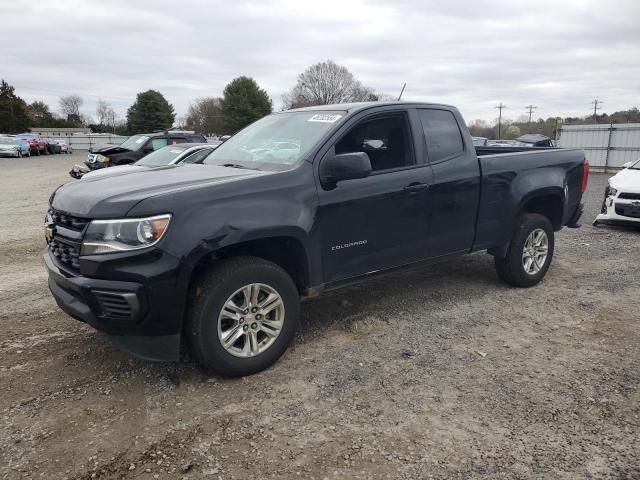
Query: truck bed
point(509, 173)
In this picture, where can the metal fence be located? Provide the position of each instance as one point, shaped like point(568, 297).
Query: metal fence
point(607, 146)
point(86, 141)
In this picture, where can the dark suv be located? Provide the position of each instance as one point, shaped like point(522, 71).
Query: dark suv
point(133, 149)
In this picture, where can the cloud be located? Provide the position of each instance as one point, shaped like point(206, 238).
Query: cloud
point(473, 54)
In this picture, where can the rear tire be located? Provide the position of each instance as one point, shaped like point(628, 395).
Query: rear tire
point(530, 252)
point(219, 308)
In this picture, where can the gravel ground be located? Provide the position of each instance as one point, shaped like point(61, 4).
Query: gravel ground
point(439, 373)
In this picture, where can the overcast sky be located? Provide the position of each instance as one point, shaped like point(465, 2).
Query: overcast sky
point(558, 55)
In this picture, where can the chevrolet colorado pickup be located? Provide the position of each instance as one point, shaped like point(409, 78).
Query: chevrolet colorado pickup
point(214, 258)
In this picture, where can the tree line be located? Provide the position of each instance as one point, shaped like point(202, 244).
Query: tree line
point(513, 129)
point(242, 102)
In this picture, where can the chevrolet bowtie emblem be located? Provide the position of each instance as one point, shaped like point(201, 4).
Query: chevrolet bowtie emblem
point(49, 229)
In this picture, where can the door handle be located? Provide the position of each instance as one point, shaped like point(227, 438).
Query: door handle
point(416, 187)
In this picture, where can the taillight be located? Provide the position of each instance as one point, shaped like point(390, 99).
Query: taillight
point(585, 175)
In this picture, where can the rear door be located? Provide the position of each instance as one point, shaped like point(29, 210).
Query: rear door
point(455, 193)
point(381, 221)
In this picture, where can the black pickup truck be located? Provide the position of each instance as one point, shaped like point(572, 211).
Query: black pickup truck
point(215, 258)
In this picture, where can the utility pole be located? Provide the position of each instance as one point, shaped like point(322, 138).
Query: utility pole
point(530, 109)
point(595, 104)
point(500, 107)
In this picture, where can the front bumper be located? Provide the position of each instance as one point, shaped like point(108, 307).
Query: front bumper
point(617, 211)
point(9, 153)
point(78, 171)
point(140, 309)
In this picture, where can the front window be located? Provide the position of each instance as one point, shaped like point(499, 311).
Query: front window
point(635, 166)
point(384, 139)
point(7, 141)
point(161, 157)
point(134, 143)
point(277, 141)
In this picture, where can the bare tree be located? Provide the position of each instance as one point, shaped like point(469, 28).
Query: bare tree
point(205, 116)
point(102, 110)
point(105, 114)
point(326, 83)
point(70, 105)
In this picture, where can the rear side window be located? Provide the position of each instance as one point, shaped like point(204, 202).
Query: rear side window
point(441, 133)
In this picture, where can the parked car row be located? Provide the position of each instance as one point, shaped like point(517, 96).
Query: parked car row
point(27, 144)
point(133, 149)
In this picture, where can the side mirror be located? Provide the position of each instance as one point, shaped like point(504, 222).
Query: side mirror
point(346, 166)
point(627, 165)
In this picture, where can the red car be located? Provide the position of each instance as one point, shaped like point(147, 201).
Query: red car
point(37, 144)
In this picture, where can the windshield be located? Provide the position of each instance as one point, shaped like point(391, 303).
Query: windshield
point(275, 142)
point(635, 166)
point(135, 142)
point(7, 141)
point(164, 156)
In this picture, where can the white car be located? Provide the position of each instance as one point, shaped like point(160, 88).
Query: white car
point(169, 155)
point(64, 147)
point(9, 147)
point(621, 203)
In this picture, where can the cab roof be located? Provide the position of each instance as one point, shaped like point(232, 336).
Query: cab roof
point(355, 107)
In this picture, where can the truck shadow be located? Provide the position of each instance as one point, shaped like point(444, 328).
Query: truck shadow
point(471, 276)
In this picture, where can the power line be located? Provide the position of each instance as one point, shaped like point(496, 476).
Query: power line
point(500, 107)
point(595, 104)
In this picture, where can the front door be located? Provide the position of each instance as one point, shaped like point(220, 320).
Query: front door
point(380, 221)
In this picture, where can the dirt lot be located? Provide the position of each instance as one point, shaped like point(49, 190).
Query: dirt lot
point(439, 373)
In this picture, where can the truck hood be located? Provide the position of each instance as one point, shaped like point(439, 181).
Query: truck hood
point(108, 149)
point(112, 196)
point(627, 180)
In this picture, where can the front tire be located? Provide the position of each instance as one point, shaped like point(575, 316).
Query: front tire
point(243, 314)
point(530, 252)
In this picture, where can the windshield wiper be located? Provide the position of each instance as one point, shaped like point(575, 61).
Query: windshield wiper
point(237, 165)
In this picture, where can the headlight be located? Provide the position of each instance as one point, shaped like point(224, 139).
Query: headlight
point(612, 192)
point(108, 236)
point(102, 159)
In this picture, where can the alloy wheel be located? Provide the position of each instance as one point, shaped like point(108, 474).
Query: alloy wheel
point(534, 254)
point(251, 320)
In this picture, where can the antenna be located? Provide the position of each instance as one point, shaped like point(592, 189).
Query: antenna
point(402, 91)
point(500, 107)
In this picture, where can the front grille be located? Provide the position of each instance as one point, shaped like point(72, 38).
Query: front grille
point(629, 196)
point(622, 210)
point(119, 306)
point(66, 253)
point(68, 221)
point(67, 238)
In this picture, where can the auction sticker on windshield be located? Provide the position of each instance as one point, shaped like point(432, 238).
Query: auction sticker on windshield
point(325, 118)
